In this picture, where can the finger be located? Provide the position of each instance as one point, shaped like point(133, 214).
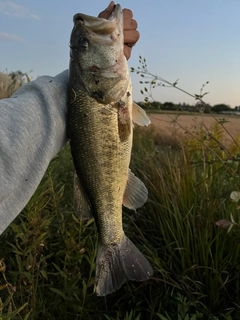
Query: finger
point(131, 36)
point(130, 24)
point(127, 51)
point(127, 14)
point(108, 11)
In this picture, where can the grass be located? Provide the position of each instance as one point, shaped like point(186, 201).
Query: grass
point(47, 256)
point(10, 82)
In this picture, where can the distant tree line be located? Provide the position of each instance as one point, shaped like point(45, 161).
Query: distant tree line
point(198, 107)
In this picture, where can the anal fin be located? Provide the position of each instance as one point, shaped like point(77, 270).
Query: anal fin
point(136, 193)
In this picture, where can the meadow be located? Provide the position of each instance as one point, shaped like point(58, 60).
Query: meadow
point(189, 230)
point(181, 122)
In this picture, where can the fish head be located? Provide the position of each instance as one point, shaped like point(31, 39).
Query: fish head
point(97, 61)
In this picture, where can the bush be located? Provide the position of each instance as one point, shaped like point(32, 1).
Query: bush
point(47, 255)
point(10, 82)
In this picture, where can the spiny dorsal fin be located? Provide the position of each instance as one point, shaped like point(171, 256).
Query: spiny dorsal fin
point(136, 193)
point(139, 116)
point(82, 205)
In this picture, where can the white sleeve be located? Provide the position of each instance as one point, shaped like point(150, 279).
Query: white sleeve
point(32, 132)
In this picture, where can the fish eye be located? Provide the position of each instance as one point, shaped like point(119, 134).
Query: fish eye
point(82, 42)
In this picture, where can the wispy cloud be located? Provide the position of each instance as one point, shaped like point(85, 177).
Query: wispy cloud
point(10, 37)
point(13, 9)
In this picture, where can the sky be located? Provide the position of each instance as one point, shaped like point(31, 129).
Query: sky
point(190, 40)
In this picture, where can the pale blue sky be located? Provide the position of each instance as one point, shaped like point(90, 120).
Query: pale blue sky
point(196, 41)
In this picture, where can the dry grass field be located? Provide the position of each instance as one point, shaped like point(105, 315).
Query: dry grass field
point(177, 124)
point(10, 82)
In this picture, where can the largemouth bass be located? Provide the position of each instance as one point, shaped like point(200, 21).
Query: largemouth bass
point(100, 130)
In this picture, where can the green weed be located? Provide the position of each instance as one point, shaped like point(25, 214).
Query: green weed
point(48, 256)
point(188, 229)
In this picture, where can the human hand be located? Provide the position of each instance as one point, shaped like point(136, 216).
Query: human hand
point(130, 33)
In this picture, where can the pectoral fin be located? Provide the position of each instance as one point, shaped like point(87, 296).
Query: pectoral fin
point(135, 194)
point(139, 116)
point(82, 205)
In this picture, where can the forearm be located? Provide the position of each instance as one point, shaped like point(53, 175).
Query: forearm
point(32, 132)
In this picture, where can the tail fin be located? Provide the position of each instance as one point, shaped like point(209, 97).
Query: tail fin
point(117, 263)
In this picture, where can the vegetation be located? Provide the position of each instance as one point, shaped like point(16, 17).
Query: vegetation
point(197, 108)
point(152, 81)
point(188, 229)
point(10, 82)
point(47, 255)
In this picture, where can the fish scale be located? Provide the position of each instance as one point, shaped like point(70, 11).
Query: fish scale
point(97, 148)
point(99, 126)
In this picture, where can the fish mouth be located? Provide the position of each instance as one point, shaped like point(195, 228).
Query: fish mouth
point(102, 30)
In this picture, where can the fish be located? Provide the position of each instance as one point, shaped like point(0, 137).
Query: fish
point(101, 113)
